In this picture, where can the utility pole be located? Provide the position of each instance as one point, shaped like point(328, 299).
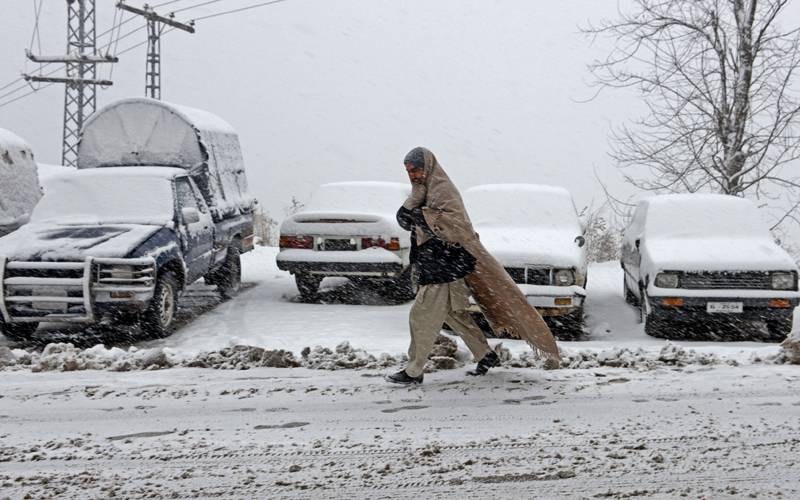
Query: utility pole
point(155, 28)
point(80, 97)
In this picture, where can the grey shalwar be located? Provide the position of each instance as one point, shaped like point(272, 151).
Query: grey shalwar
point(434, 305)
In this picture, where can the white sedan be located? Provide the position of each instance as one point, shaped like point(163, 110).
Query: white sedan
point(348, 229)
point(536, 234)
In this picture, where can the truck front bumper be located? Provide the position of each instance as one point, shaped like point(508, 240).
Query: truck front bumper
point(550, 300)
point(74, 292)
point(700, 309)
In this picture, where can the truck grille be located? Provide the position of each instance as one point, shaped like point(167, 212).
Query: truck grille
point(534, 275)
point(749, 280)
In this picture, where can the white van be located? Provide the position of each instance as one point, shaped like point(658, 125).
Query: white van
point(19, 182)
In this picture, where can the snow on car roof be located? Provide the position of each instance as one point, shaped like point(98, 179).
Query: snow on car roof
point(359, 197)
point(109, 195)
point(19, 184)
point(522, 205)
point(10, 139)
point(702, 215)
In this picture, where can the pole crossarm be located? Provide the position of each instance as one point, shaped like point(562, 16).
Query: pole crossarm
point(72, 81)
point(72, 58)
point(151, 15)
point(155, 28)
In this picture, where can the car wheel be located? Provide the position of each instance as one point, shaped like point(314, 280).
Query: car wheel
point(656, 327)
point(779, 328)
point(630, 297)
point(307, 285)
point(567, 327)
point(404, 287)
point(18, 331)
point(229, 277)
point(158, 320)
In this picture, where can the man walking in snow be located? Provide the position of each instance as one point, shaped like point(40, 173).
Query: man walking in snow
point(442, 263)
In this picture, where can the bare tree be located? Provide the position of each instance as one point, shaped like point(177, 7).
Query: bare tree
point(717, 78)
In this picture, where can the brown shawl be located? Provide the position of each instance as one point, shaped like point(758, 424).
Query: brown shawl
point(498, 296)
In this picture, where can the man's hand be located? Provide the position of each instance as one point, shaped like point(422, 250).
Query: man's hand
point(419, 220)
point(405, 219)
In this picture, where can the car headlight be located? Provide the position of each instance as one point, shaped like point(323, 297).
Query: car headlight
point(121, 272)
point(564, 277)
point(667, 280)
point(783, 281)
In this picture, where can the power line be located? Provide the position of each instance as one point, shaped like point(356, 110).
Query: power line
point(224, 13)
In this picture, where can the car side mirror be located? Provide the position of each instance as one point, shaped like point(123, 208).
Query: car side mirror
point(637, 243)
point(580, 240)
point(190, 215)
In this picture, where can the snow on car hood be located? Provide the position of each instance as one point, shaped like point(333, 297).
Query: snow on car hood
point(60, 242)
point(714, 254)
point(516, 246)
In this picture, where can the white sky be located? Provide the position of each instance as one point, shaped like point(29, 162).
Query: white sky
point(328, 90)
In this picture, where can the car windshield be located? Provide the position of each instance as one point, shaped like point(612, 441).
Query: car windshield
point(118, 195)
point(359, 197)
point(698, 216)
point(545, 208)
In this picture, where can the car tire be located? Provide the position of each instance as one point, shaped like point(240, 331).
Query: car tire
point(158, 320)
point(404, 287)
point(642, 302)
point(567, 327)
point(779, 328)
point(630, 297)
point(18, 331)
point(229, 277)
point(656, 327)
point(307, 285)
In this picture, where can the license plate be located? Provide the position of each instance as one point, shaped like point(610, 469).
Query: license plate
point(50, 306)
point(724, 307)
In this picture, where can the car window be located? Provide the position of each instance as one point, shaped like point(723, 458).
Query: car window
point(186, 197)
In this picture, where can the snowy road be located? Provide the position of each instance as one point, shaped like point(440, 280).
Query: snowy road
point(296, 433)
point(657, 431)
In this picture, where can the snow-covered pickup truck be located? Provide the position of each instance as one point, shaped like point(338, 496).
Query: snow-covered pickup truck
point(695, 261)
point(348, 229)
point(19, 183)
point(159, 200)
point(536, 234)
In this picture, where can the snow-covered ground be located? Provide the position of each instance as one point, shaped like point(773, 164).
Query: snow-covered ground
point(678, 419)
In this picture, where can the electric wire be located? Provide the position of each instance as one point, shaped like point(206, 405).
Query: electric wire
point(121, 37)
point(233, 11)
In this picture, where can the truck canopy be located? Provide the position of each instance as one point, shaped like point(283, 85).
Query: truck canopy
point(19, 181)
point(147, 133)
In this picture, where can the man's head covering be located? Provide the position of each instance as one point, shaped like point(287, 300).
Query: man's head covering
point(415, 157)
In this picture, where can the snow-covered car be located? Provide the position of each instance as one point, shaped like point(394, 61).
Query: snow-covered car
point(348, 229)
point(534, 231)
point(19, 182)
point(158, 201)
point(708, 260)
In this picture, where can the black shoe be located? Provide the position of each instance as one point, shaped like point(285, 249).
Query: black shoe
point(403, 378)
point(489, 361)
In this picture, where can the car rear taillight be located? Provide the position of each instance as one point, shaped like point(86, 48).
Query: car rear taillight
point(392, 244)
point(304, 242)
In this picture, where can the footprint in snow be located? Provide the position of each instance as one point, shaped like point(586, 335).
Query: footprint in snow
point(287, 425)
point(401, 408)
point(140, 435)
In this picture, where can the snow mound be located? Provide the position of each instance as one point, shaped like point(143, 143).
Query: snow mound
point(790, 348)
point(344, 357)
point(445, 356)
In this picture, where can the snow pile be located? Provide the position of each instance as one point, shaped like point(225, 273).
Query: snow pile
point(242, 357)
point(445, 356)
point(344, 357)
point(617, 357)
point(791, 348)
